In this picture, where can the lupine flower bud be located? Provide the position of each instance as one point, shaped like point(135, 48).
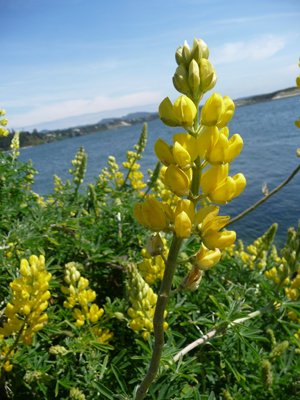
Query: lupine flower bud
point(186, 53)
point(208, 76)
point(205, 49)
point(192, 280)
point(197, 51)
point(278, 350)
point(183, 225)
point(194, 75)
point(266, 374)
point(154, 245)
point(178, 55)
point(180, 79)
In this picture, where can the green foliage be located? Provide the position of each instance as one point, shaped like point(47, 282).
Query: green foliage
point(94, 227)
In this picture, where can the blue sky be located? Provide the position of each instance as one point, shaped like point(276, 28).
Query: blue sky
point(64, 58)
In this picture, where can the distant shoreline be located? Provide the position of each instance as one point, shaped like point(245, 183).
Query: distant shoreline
point(28, 139)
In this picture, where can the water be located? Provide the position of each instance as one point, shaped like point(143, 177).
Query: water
point(269, 155)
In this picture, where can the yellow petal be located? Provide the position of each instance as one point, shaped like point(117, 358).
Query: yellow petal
point(165, 111)
point(188, 207)
point(138, 214)
point(178, 180)
point(207, 260)
point(235, 145)
point(181, 156)
point(224, 191)
point(188, 142)
point(212, 177)
point(183, 225)
point(154, 215)
point(184, 110)
point(227, 114)
point(219, 152)
point(163, 152)
point(212, 110)
point(211, 211)
point(219, 240)
point(240, 182)
point(206, 142)
point(209, 227)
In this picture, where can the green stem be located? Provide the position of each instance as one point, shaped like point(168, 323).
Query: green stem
point(158, 321)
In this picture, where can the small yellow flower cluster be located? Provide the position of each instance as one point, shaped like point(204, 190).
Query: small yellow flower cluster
point(79, 295)
point(103, 335)
point(40, 200)
point(3, 122)
point(76, 394)
point(112, 172)
point(80, 166)
point(15, 145)
point(143, 301)
point(9, 249)
point(135, 176)
point(153, 268)
point(7, 366)
point(297, 123)
point(57, 182)
point(25, 314)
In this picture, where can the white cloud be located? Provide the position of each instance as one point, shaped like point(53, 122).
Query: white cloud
point(260, 49)
point(81, 106)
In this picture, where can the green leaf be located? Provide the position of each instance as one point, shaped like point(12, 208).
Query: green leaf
point(105, 361)
point(143, 345)
point(104, 390)
point(119, 378)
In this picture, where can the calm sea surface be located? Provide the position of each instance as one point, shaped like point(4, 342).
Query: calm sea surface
point(269, 155)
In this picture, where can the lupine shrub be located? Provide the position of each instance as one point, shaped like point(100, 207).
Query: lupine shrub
point(131, 288)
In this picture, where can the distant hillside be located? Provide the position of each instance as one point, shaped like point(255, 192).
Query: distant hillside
point(279, 94)
point(28, 139)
